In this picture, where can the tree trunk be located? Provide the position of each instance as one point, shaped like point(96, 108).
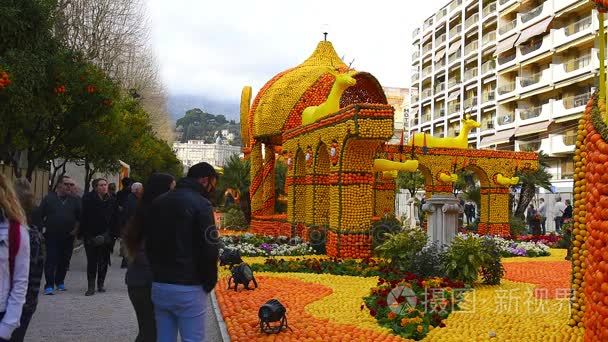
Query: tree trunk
point(525, 197)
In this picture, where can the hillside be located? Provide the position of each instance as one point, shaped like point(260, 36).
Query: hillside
point(199, 125)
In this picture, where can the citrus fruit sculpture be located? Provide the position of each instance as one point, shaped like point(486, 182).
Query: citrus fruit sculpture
point(331, 124)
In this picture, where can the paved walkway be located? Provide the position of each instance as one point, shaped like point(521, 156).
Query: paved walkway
point(71, 317)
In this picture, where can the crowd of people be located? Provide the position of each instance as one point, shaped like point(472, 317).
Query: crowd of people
point(536, 218)
point(168, 241)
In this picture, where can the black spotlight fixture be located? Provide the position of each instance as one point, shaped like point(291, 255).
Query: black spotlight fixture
point(230, 257)
point(272, 312)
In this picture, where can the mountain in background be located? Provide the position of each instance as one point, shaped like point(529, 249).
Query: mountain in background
point(178, 105)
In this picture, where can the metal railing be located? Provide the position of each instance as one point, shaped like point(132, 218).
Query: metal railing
point(570, 139)
point(426, 117)
point(529, 146)
point(506, 88)
point(415, 76)
point(531, 14)
point(526, 49)
point(487, 124)
point(439, 87)
point(440, 39)
point(454, 56)
point(489, 8)
point(508, 26)
point(452, 82)
point(427, 71)
point(455, 30)
point(426, 93)
point(470, 102)
point(527, 80)
point(576, 101)
point(415, 54)
point(578, 26)
point(441, 13)
point(502, 59)
point(529, 113)
point(472, 46)
point(426, 48)
point(428, 23)
point(439, 113)
point(453, 107)
point(488, 66)
point(471, 20)
point(470, 73)
point(488, 96)
point(577, 63)
point(488, 37)
point(455, 4)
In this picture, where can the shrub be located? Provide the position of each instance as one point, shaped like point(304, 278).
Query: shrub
point(492, 269)
point(517, 226)
point(429, 262)
point(465, 257)
point(387, 225)
point(234, 219)
point(402, 248)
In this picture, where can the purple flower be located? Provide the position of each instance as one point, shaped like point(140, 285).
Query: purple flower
point(267, 247)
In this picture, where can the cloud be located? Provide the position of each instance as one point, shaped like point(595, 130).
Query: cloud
point(214, 48)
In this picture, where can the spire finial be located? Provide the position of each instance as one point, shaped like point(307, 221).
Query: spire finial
point(325, 36)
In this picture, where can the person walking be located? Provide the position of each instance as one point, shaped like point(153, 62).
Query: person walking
point(182, 247)
point(139, 275)
point(567, 217)
point(98, 228)
point(558, 215)
point(26, 198)
point(60, 213)
point(14, 260)
point(137, 191)
point(542, 211)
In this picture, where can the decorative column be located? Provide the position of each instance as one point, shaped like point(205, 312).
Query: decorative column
point(494, 219)
point(257, 176)
point(268, 181)
point(384, 196)
point(443, 211)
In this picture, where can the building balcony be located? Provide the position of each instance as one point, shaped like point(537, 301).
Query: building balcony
point(570, 105)
point(416, 33)
point(505, 119)
point(535, 48)
point(441, 39)
point(559, 5)
point(439, 87)
point(532, 16)
point(534, 114)
point(453, 107)
point(505, 27)
point(454, 5)
point(487, 124)
point(415, 55)
point(586, 64)
point(426, 117)
point(531, 81)
point(505, 61)
point(506, 90)
point(529, 146)
point(454, 57)
point(426, 72)
point(471, 47)
point(415, 77)
point(470, 102)
point(426, 49)
point(557, 144)
point(455, 31)
point(441, 14)
point(439, 64)
point(502, 4)
point(439, 113)
point(489, 9)
point(586, 26)
point(415, 99)
point(427, 24)
point(471, 21)
point(488, 38)
point(453, 82)
point(426, 93)
point(470, 74)
point(488, 66)
point(488, 96)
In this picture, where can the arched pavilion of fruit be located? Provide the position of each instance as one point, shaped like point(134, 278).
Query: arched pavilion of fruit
point(331, 180)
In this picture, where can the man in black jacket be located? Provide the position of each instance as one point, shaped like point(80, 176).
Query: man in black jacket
point(182, 247)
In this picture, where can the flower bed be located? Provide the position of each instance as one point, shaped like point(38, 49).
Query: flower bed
point(253, 245)
point(552, 240)
point(510, 248)
point(350, 267)
point(412, 307)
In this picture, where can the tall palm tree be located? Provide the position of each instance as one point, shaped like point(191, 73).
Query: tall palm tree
point(529, 181)
point(236, 175)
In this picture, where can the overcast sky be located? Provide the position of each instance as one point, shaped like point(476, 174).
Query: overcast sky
point(214, 48)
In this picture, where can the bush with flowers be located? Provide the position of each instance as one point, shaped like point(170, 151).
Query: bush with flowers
point(412, 306)
point(552, 240)
point(335, 266)
point(512, 248)
point(253, 245)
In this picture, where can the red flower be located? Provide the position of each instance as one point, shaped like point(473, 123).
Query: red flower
point(372, 312)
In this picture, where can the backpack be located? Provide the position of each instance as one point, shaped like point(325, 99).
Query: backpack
point(14, 241)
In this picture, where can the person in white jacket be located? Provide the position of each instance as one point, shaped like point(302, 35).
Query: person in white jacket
point(14, 260)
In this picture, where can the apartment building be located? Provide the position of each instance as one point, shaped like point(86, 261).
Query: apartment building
point(196, 151)
point(523, 68)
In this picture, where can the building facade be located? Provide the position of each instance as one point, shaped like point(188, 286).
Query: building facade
point(524, 69)
point(399, 98)
point(196, 151)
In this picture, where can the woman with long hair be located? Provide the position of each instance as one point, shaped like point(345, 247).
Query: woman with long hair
point(139, 274)
point(14, 259)
point(26, 197)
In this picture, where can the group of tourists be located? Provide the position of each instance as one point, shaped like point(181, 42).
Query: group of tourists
point(536, 219)
point(168, 241)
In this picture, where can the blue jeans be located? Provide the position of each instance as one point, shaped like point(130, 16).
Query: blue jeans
point(179, 307)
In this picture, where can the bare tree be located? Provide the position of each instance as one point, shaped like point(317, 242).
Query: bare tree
point(114, 34)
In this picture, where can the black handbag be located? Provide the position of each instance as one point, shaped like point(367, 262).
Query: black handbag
point(102, 239)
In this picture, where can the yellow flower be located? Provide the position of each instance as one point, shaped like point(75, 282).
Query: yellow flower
point(404, 322)
point(419, 328)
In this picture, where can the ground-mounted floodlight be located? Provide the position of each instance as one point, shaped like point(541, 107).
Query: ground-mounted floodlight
point(273, 312)
point(230, 257)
